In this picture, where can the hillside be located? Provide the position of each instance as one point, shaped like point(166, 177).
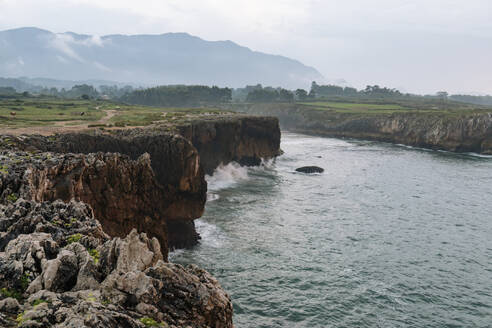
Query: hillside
point(172, 58)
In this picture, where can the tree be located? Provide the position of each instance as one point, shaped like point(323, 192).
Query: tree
point(301, 94)
point(442, 94)
point(285, 95)
point(314, 90)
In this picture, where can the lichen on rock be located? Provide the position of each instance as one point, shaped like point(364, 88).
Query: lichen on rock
point(58, 284)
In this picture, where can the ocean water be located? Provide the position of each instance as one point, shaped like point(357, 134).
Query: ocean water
point(387, 236)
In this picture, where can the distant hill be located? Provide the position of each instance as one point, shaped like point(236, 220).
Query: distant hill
point(172, 58)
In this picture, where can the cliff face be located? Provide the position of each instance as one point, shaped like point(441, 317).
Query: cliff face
point(86, 221)
point(246, 140)
point(159, 187)
point(122, 192)
point(177, 190)
point(453, 132)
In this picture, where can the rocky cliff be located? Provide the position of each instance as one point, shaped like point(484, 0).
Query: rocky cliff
point(59, 269)
point(452, 131)
point(246, 140)
point(178, 163)
point(86, 221)
point(158, 187)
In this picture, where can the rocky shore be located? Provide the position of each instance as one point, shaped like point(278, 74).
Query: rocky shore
point(87, 220)
point(451, 131)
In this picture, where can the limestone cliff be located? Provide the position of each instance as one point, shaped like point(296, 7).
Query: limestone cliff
point(87, 219)
point(178, 194)
point(458, 132)
point(59, 269)
point(161, 195)
point(243, 139)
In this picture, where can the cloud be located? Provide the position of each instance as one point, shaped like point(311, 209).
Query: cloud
point(102, 67)
point(66, 42)
point(62, 42)
point(389, 42)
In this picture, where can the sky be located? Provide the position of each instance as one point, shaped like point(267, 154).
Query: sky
point(419, 46)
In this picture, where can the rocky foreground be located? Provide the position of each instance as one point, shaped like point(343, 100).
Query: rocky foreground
point(87, 220)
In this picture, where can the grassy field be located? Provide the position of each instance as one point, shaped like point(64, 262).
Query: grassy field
point(42, 112)
point(141, 115)
point(49, 113)
point(390, 106)
point(354, 106)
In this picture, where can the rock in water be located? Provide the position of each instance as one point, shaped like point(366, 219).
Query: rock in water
point(310, 169)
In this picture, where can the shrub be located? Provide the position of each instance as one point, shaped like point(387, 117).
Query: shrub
point(74, 238)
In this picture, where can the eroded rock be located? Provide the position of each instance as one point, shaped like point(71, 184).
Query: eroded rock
point(62, 279)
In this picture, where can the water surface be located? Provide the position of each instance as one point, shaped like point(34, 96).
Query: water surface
point(387, 236)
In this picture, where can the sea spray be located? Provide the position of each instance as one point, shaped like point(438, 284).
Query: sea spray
point(225, 176)
point(353, 247)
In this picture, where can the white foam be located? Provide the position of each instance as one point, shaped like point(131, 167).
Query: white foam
point(211, 196)
point(211, 234)
point(226, 176)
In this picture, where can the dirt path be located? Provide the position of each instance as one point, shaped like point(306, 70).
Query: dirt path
point(61, 126)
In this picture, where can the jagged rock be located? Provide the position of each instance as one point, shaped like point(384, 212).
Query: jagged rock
point(58, 219)
point(310, 169)
point(164, 165)
point(60, 274)
point(68, 269)
point(243, 139)
point(9, 305)
point(114, 284)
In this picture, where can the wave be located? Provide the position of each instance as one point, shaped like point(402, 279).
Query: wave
point(211, 235)
point(225, 176)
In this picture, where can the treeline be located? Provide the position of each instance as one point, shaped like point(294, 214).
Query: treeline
point(179, 95)
point(197, 95)
point(374, 91)
point(478, 100)
point(78, 91)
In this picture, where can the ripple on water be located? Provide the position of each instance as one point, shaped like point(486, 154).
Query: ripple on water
point(387, 236)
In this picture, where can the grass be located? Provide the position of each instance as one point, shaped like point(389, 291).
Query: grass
point(149, 322)
point(51, 112)
point(46, 111)
point(11, 293)
point(142, 116)
point(390, 106)
point(95, 255)
point(358, 106)
point(74, 238)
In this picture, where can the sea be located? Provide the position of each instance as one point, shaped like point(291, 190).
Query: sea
point(387, 236)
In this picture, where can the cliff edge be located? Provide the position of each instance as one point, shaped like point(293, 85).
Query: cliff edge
point(457, 131)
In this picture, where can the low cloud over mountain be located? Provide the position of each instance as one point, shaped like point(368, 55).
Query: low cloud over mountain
point(172, 58)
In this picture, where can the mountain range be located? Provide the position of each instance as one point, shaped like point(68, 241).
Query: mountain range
point(171, 58)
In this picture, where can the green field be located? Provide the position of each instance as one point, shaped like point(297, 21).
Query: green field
point(42, 112)
point(56, 113)
point(358, 106)
point(390, 106)
point(141, 115)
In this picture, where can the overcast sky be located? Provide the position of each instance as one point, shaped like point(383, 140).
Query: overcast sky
point(415, 45)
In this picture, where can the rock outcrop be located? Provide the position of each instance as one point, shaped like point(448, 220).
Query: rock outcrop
point(123, 193)
point(160, 181)
point(87, 219)
point(242, 139)
point(310, 169)
point(59, 269)
point(178, 162)
point(457, 132)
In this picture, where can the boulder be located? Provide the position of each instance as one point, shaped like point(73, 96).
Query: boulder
point(310, 169)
